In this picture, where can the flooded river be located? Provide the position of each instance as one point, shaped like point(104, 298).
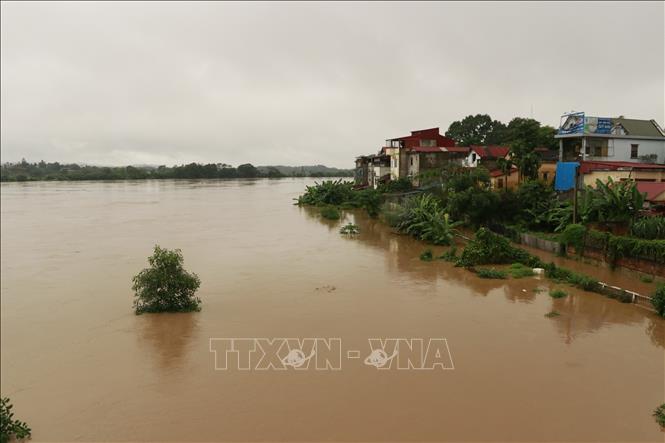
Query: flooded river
point(80, 366)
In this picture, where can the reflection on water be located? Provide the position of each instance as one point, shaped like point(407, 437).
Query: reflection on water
point(71, 343)
point(168, 336)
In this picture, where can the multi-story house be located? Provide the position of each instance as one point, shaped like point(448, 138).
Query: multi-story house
point(583, 137)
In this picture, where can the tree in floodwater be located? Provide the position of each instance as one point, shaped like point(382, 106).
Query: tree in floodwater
point(9, 427)
point(166, 286)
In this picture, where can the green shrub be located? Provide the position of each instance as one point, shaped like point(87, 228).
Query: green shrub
point(518, 270)
point(449, 255)
point(9, 427)
point(422, 217)
point(427, 255)
point(349, 229)
point(165, 286)
point(649, 228)
point(330, 212)
point(341, 193)
point(552, 314)
point(558, 293)
point(658, 300)
point(659, 415)
point(394, 186)
point(490, 273)
point(574, 235)
point(646, 278)
point(328, 192)
point(490, 248)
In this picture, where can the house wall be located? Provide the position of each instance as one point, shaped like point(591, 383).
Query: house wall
point(512, 181)
point(591, 177)
point(376, 173)
point(612, 149)
point(619, 149)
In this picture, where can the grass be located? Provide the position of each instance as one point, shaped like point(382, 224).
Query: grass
point(646, 278)
point(491, 273)
point(330, 213)
point(552, 314)
point(518, 270)
point(558, 293)
point(427, 255)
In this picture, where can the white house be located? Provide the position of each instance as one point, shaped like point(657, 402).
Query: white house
point(583, 137)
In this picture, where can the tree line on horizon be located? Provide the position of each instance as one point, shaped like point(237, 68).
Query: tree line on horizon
point(25, 171)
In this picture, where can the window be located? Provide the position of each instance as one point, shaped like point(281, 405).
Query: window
point(633, 151)
point(545, 175)
point(499, 183)
point(411, 160)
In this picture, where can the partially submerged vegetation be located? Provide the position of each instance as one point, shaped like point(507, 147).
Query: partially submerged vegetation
point(552, 314)
point(330, 213)
point(427, 255)
point(659, 415)
point(423, 218)
point(166, 286)
point(558, 293)
point(349, 229)
point(658, 300)
point(11, 428)
point(340, 194)
point(491, 273)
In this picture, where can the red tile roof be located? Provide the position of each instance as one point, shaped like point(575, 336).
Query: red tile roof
point(651, 189)
point(464, 149)
point(491, 151)
point(588, 166)
point(499, 172)
point(426, 149)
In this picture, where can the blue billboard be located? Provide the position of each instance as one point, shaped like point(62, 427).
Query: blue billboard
point(572, 123)
point(578, 123)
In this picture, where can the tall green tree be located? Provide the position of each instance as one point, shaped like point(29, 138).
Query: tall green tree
point(477, 129)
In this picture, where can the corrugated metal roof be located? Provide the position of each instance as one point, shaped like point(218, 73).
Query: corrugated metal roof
point(643, 128)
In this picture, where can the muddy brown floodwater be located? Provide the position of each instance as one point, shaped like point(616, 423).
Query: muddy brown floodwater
point(80, 366)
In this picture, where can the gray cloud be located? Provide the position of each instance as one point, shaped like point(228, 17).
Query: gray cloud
point(302, 83)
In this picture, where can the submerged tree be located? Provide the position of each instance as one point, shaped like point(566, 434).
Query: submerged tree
point(165, 286)
point(9, 427)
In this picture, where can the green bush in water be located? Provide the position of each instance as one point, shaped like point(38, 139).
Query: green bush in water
point(349, 229)
point(490, 273)
point(658, 300)
point(552, 314)
point(490, 248)
point(518, 270)
point(9, 427)
point(422, 217)
point(165, 286)
point(330, 212)
point(558, 293)
point(427, 255)
point(449, 255)
point(659, 415)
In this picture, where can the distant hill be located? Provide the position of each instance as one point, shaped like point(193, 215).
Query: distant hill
point(308, 171)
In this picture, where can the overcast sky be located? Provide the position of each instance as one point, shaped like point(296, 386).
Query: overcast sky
point(307, 83)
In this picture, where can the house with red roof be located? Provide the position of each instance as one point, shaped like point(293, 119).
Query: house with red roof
point(485, 155)
point(411, 155)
